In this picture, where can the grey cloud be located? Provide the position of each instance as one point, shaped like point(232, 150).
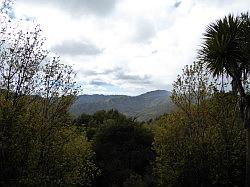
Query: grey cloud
point(79, 7)
point(105, 72)
point(90, 73)
point(177, 4)
point(145, 30)
point(134, 79)
point(119, 74)
point(77, 48)
point(111, 71)
point(99, 83)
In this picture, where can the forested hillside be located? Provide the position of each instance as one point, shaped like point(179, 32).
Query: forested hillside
point(142, 107)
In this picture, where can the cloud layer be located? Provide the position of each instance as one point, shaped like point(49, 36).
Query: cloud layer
point(74, 48)
point(126, 47)
point(77, 7)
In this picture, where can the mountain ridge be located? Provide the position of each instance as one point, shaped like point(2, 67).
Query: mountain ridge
point(145, 106)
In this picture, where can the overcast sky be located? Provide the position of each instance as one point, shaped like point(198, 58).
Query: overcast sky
point(126, 46)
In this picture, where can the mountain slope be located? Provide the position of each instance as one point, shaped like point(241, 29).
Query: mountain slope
point(143, 107)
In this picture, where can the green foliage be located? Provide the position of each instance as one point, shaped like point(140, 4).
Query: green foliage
point(194, 155)
point(226, 51)
point(78, 159)
point(203, 144)
point(122, 147)
point(224, 48)
point(134, 181)
point(90, 124)
point(42, 153)
point(38, 143)
point(192, 88)
point(69, 161)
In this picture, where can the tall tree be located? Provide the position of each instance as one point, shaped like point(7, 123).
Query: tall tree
point(225, 51)
point(38, 146)
point(196, 145)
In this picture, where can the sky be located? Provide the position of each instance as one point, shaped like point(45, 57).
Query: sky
point(125, 46)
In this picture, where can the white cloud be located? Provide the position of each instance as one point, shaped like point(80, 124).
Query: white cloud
point(143, 40)
point(145, 31)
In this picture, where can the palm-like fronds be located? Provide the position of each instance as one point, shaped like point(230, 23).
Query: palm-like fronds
point(223, 49)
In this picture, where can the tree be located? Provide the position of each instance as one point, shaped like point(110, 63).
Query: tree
point(195, 146)
point(192, 89)
point(225, 51)
point(211, 155)
point(91, 124)
point(123, 151)
point(69, 159)
point(38, 143)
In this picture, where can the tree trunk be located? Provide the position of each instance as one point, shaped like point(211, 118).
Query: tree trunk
point(248, 157)
point(247, 126)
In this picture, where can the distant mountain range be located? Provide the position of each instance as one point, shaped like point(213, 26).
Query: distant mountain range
point(144, 107)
